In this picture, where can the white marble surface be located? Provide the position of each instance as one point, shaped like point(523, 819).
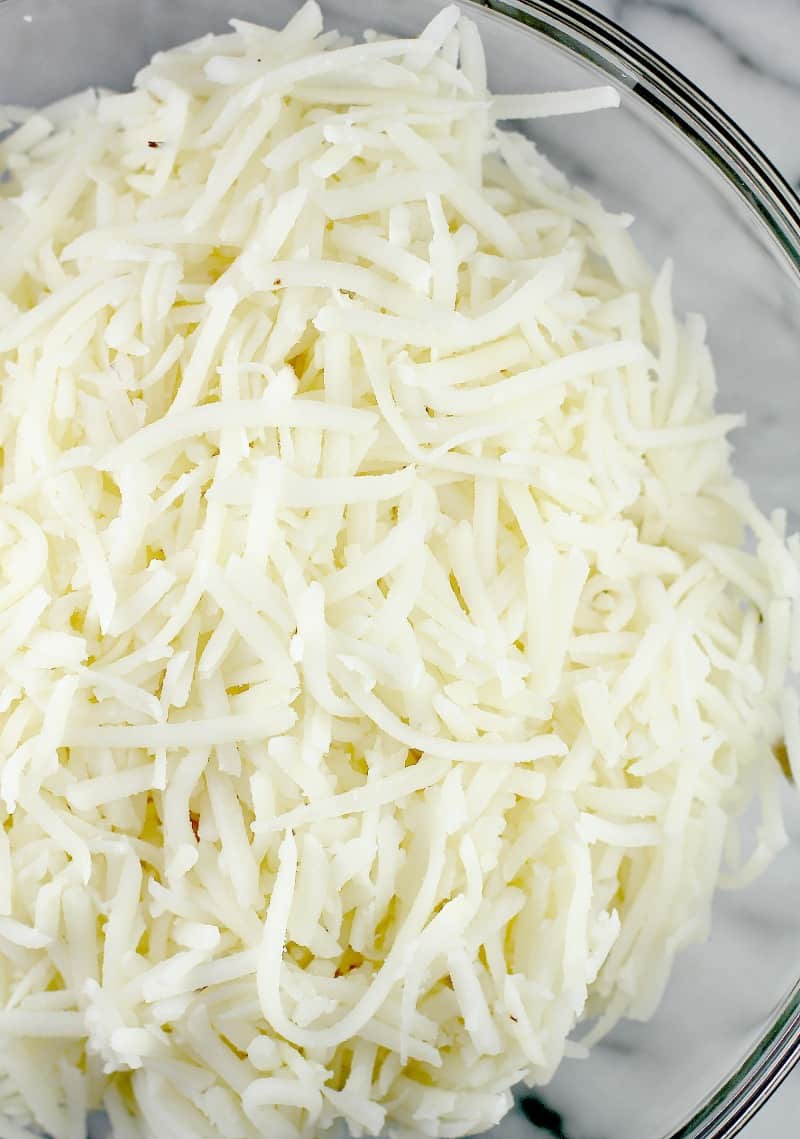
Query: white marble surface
point(743, 53)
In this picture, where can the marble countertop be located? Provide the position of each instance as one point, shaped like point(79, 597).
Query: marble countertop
point(741, 53)
point(744, 55)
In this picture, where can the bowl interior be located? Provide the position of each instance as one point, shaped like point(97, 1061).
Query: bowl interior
point(645, 1080)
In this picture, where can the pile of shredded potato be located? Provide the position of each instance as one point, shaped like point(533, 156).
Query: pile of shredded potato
point(383, 661)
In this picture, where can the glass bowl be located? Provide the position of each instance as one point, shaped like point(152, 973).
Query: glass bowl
point(728, 1029)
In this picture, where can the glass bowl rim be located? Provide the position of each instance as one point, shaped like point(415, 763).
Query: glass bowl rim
point(648, 77)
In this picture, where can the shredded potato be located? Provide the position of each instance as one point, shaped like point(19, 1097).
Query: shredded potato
point(385, 660)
